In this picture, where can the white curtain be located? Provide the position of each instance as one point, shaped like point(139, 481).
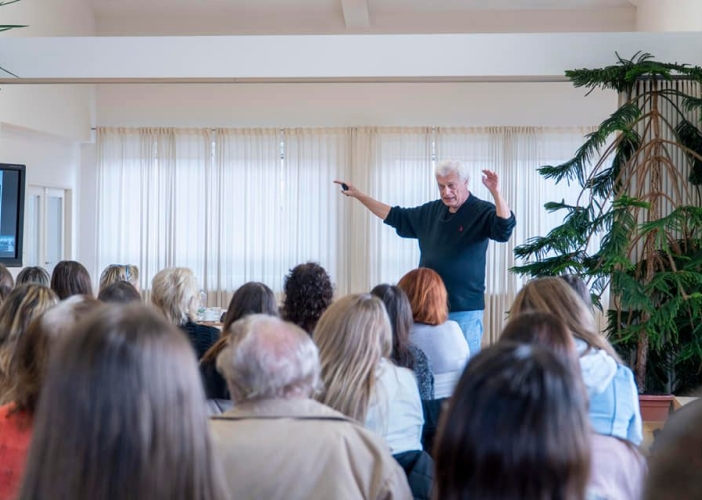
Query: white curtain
point(150, 209)
point(238, 205)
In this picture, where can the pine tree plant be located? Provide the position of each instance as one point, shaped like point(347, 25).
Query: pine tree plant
point(635, 195)
point(6, 27)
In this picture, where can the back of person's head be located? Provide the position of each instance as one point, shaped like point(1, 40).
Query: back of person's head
point(250, 298)
point(119, 272)
point(675, 465)
point(579, 286)
point(308, 292)
point(516, 427)
point(544, 329)
point(553, 295)
point(6, 279)
point(4, 292)
point(31, 359)
point(399, 312)
point(71, 278)
point(119, 292)
point(33, 274)
point(23, 304)
point(124, 391)
point(266, 358)
point(174, 292)
point(352, 335)
point(427, 295)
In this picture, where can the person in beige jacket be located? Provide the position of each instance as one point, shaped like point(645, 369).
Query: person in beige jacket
point(277, 442)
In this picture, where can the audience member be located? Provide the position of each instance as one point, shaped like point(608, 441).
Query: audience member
point(308, 293)
point(354, 338)
point(175, 293)
point(617, 468)
point(71, 278)
point(22, 305)
point(33, 274)
point(579, 286)
point(120, 272)
point(122, 415)
point(676, 459)
point(6, 279)
point(119, 292)
point(250, 298)
point(612, 392)
point(277, 443)
point(516, 427)
point(440, 338)
point(29, 369)
point(404, 353)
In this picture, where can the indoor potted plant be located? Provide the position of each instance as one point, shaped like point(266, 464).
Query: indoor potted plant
point(639, 174)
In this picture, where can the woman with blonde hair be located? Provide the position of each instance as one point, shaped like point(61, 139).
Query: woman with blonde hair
point(614, 404)
point(122, 415)
point(441, 339)
point(354, 338)
point(175, 293)
point(21, 306)
point(119, 272)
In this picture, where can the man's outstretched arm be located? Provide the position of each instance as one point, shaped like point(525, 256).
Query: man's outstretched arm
point(378, 208)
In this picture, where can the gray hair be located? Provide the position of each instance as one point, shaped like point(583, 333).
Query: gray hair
point(446, 167)
point(267, 357)
point(174, 291)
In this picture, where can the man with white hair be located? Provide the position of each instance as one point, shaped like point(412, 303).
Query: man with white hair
point(453, 235)
point(277, 442)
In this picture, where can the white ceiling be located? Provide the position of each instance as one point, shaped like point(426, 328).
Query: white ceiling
point(202, 17)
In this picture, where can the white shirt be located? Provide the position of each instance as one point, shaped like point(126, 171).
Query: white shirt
point(395, 409)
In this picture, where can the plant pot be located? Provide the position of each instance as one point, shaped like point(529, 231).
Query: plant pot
point(655, 408)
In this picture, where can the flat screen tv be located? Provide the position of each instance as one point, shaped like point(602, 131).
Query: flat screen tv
point(12, 182)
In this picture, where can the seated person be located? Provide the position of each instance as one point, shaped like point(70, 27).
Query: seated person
point(354, 338)
point(404, 353)
point(440, 338)
point(516, 428)
point(71, 278)
point(29, 364)
point(175, 293)
point(250, 298)
point(277, 442)
point(119, 292)
point(115, 273)
point(33, 274)
point(308, 292)
point(121, 415)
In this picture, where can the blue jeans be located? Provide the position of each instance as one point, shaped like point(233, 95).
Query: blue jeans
point(471, 323)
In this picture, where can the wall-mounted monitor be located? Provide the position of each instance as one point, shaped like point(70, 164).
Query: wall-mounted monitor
point(12, 184)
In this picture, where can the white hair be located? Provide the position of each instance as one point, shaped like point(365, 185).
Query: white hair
point(174, 291)
point(266, 357)
point(446, 167)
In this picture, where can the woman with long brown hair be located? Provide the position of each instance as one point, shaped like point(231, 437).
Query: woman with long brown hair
point(122, 415)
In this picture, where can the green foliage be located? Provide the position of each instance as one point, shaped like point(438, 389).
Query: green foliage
point(650, 253)
point(6, 27)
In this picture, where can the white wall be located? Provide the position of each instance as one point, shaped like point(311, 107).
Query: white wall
point(348, 104)
point(43, 126)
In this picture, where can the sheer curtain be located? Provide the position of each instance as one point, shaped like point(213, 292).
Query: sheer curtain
point(238, 205)
point(515, 155)
point(149, 208)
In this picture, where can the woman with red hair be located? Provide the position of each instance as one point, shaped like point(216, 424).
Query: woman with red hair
point(440, 338)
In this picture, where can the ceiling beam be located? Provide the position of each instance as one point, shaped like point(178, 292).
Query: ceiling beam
point(495, 57)
point(356, 13)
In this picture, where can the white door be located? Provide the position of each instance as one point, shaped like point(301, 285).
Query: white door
point(45, 227)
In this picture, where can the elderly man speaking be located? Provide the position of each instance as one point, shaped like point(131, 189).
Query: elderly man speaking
point(277, 443)
point(453, 235)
